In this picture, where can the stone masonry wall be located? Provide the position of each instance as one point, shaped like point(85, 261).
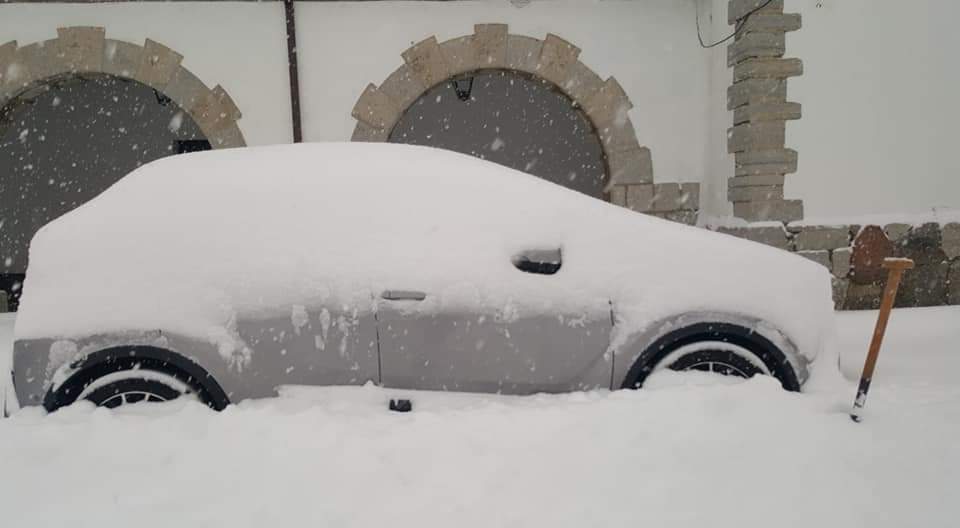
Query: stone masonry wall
point(853, 254)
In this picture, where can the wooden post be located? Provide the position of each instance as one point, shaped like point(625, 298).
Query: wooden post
point(896, 267)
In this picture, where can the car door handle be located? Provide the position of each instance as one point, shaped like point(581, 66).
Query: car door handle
point(403, 295)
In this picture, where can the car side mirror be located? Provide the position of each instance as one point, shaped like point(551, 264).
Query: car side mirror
point(540, 261)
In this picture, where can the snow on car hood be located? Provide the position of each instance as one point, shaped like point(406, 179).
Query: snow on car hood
point(191, 243)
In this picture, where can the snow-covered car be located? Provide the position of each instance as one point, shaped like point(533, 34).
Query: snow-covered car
point(227, 274)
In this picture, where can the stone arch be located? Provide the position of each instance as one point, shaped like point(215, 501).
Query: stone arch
point(553, 59)
point(84, 49)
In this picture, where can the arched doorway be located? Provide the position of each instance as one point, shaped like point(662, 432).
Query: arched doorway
point(547, 69)
point(511, 118)
point(80, 111)
point(65, 141)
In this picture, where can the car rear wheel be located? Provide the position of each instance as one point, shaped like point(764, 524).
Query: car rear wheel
point(128, 387)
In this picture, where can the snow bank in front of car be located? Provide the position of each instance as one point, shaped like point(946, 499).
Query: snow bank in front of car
point(192, 243)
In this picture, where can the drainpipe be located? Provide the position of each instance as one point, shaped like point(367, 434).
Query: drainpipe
point(294, 75)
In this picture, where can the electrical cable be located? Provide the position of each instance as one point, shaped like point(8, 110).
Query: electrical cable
point(739, 27)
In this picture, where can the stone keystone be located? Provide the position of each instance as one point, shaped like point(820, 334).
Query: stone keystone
point(490, 45)
point(81, 48)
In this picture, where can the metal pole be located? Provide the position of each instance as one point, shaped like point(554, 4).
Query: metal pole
point(896, 267)
point(294, 75)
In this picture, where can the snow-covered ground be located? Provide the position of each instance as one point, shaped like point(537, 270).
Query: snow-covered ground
point(685, 453)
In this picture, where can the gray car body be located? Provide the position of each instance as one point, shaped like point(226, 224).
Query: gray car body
point(391, 343)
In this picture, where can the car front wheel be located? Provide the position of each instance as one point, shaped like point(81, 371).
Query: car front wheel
point(716, 357)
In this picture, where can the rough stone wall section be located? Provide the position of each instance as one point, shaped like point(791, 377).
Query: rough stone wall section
point(758, 99)
point(853, 254)
point(84, 49)
point(553, 59)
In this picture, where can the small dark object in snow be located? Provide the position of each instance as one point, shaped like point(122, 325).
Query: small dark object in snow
point(401, 405)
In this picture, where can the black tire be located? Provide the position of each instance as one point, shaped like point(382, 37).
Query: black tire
point(132, 390)
point(739, 351)
point(718, 361)
point(145, 369)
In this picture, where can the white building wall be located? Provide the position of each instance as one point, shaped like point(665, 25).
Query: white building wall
point(879, 131)
point(650, 46)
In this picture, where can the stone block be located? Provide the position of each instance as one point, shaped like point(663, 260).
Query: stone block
point(675, 197)
point(630, 166)
point(556, 57)
point(121, 58)
point(766, 112)
point(11, 72)
point(895, 231)
point(924, 285)
point(840, 259)
point(922, 244)
point(158, 63)
point(365, 132)
point(402, 87)
point(756, 91)
point(523, 53)
point(81, 48)
point(681, 217)
point(767, 69)
point(763, 193)
point(761, 162)
point(214, 111)
point(459, 55)
point(756, 136)
point(756, 45)
point(840, 287)
point(771, 23)
point(870, 247)
point(582, 83)
point(640, 197)
point(490, 45)
point(863, 296)
point(951, 240)
point(186, 89)
point(738, 9)
point(779, 210)
point(953, 283)
point(228, 136)
point(608, 106)
point(376, 109)
point(822, 237)
point(616, 137)
point(38, 61)
point(755, 180)
point(427, 62)
point(618, 195)
point(769, 235)
point(819, 256)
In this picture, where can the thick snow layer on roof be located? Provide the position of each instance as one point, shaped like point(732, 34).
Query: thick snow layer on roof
point(191, 243)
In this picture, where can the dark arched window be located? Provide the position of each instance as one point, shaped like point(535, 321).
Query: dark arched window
point(513, 119)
